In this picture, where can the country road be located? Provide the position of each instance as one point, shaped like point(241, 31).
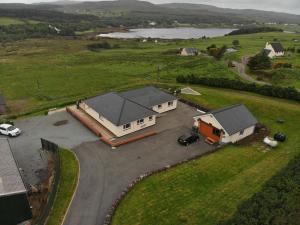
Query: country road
point(241, 69)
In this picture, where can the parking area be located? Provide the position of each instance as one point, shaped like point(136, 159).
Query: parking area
point(104, 172)
point(60, 128)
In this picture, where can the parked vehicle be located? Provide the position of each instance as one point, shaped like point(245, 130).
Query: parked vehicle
point(188, 139)
point(271, 142)
point(280, 137)
point(9, 130)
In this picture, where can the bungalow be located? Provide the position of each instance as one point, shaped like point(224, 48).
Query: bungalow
point(14, 206)
point(2, 105)
point(189, 52)
point(274, 49)
point(131, 111)
point(227, 125)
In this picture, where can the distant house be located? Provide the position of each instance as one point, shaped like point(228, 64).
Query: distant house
point(189, 51)
point(2, 105)
point(131, 111)
point(274, 49)
point(227, 125)
point(14, 206)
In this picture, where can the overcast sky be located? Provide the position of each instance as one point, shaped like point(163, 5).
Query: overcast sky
point(291, 6)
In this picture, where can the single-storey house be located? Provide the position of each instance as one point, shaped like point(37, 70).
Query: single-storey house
point(131, 111)
point(189, 52)
point(274, 49)
point(226, 125)
point(2, 105)
point(14, 206)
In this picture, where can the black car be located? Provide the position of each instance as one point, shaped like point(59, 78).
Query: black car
point(280, 137)
point(188, 139)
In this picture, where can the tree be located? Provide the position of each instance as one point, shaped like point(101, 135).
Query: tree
point(236, 42)
point(260, 61)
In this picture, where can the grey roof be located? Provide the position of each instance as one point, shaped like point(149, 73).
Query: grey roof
point(2, 100)
point(10, 179)
point(117, 109)
point(148, 96)
point(191, 50)
point(277, 47)
point(234, 118)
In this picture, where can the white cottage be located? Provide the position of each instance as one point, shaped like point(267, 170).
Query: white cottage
point(274, 49)
point(227, 125)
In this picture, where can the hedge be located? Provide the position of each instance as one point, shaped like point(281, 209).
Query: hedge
point(277, 203)
point(268, 90)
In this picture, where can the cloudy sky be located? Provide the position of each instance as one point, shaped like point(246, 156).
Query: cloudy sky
point(291, 6)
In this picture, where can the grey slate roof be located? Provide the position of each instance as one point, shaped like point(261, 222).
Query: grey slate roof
point(277, 47)
point(10, 179)
point(2, 100)
point(191, 51)
point(148, 96)
point(234, 118)
point(117, 109)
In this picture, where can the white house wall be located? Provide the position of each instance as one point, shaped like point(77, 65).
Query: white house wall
point(237, 137)
point(165, 107)
point(273, 54)
point(117, 130)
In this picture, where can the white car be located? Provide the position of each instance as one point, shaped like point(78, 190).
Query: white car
point(9, 130)
point(271, 142)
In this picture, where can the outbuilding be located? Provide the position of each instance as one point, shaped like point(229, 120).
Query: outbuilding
point(226, 125)
point(14, 206)
point(189, 52)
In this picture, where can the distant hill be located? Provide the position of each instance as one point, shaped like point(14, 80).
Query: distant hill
point(133, 13)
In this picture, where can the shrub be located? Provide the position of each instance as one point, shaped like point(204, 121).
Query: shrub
point(282, 65)
point(236, 42)
point(260, 61)
point(268, 90)
point(277, 203)
point(102, 45)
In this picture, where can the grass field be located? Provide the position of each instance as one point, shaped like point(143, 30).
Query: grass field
point(209, 189)
point(4, 21)
point(40, 73)
point(66, 188)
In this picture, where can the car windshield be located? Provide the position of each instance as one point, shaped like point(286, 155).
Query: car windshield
point(11, 128)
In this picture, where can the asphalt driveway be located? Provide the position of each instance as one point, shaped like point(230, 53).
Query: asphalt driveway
point(105, 173)
point(26, 147)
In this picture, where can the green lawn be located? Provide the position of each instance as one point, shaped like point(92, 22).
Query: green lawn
point(66, 188)
point(4, 21)
point(41, 73)
point(209, 189)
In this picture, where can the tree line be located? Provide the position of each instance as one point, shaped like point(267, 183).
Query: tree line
point(268, 90)
point(253, 30)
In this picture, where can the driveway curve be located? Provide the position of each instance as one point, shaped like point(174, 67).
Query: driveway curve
point(105, 173)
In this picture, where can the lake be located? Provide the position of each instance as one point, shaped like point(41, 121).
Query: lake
point(170, 33)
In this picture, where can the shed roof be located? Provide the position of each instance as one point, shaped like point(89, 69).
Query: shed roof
point(10, 178)
point(117, 109)
point(148, 96)
point(234, 118)
point(277, 47)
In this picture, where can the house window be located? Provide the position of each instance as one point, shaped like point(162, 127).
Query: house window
point(217, 132)
point(150, 118)
point(170, 104)
point(140, 122)
point(241, 132)
point(127, 126)
point(159, 106)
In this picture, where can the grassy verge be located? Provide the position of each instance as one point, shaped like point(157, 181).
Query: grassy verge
point(66, 188)
point(208, 190)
